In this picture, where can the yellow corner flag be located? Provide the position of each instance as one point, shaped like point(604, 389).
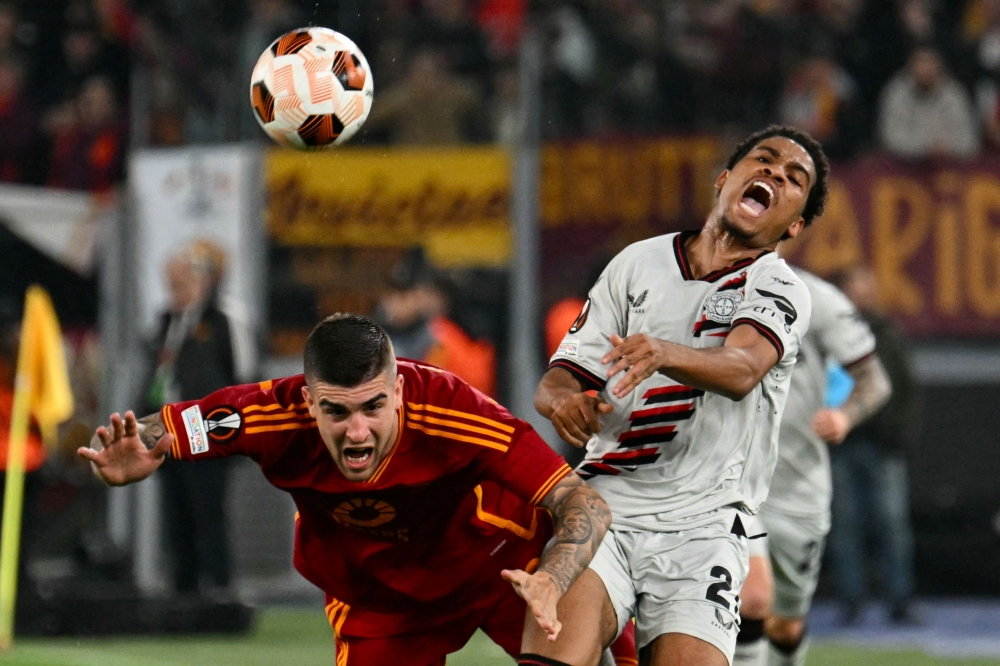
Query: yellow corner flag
point(41, 390)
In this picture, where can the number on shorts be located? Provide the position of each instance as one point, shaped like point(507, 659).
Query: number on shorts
point(725, 585)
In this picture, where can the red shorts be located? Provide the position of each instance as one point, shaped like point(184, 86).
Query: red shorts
point(500, 614)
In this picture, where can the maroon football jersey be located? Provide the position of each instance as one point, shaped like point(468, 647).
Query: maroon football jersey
point(452, 504)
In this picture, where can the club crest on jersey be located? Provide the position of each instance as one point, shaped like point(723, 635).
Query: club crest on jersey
point(635, 302)
point(367, 512)
point(223, 423)
point(721, 306)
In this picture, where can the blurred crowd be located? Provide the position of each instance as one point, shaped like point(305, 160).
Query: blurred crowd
point(81, 79)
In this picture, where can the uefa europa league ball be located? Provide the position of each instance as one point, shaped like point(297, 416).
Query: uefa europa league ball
point(311, 89)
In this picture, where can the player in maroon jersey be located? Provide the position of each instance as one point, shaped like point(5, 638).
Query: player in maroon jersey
point(416, 494)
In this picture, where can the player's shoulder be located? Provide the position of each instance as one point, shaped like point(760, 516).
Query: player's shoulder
point(772, 272)
point(284, 391)
point(647, 248)
point(825, 296)
point(426, 383)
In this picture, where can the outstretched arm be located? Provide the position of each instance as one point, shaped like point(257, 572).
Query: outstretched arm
point(581, 519)
point(128, 450)
point(732, 370)
point(871, 391)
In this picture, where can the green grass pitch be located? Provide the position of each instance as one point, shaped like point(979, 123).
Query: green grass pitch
point(302, 638)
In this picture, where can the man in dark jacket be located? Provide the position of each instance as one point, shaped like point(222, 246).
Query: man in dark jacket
point(193, 357)
point(870, 483)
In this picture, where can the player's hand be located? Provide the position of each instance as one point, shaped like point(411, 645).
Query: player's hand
point(832, 425)
point(639, 355)
point(540, 592)
point(575, 417)
point(117, 454)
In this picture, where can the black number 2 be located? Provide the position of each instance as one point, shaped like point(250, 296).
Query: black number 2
point(725, 585)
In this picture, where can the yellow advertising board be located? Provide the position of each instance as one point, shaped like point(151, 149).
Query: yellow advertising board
point(452, 201)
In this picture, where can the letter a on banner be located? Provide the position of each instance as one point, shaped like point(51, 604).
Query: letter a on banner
point(42, 391)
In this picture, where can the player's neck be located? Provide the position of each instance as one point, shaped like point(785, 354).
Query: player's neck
point(714, 249)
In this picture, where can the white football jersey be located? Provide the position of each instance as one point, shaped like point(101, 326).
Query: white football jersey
point(801, 484)
point(669, 455)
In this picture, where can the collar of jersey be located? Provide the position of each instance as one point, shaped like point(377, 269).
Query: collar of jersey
point(685, 267)
point(395, 445)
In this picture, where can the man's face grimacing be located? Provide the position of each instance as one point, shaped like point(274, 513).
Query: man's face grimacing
point(358, 424)
point(762, 197)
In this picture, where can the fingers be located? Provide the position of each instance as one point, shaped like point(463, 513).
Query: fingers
point(117, 428)
point(88, 454)
point(574, 430)
point(162, 447)
point(638, 374)
point(589, 415)
point(104, 436)
point(605, 407)
point(131, 426)
point(566, 436)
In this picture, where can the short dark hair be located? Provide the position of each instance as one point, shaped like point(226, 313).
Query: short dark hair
point(347, 350)
point(818, 192)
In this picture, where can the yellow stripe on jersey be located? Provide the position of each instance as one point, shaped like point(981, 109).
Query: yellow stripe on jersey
point(175, 446)
point(552, 481)
point(465, 415)
point(272, 407)
point(253, 418)
point(266, 385)
point(461, 426)
point(455, 436)
point(336, 612)
point(284, 426)
point(508, 525)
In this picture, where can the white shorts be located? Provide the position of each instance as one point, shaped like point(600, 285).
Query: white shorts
point(795, 545)
point(684, 582)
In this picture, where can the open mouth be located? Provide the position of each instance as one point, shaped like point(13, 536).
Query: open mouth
point(757, 198)
point(358, 458)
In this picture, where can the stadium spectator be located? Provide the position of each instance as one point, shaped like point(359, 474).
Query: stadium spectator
point(446, 26)
point(430, 107)
point(821, 98)
point(193, 355)
point(19, 137)
point(415, 314)
point(925, 112)
point(89, 143)
point(870, 484)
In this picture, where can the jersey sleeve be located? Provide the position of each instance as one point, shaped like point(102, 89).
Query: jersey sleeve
point(839, 327)
point(492, 444)
point(777, 304)
point(254, 420)
point(588, 339)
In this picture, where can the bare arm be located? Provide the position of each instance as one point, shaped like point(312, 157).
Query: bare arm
point(871, 391)
point(732, 370)
point(581, 519)
point(561, 398)
point(127, 450)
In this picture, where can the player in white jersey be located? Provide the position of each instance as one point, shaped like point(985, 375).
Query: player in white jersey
point(689, 340)
point(796, 515)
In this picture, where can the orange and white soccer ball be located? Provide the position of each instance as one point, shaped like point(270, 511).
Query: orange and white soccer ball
point(311, 88)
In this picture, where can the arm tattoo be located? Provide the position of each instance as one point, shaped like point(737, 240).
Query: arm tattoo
point(581, 519)
point(871, 390)
point(151, 430)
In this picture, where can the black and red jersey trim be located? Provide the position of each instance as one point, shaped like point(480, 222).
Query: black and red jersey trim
point(768, 334)
point(685, 267)
point(590, 381)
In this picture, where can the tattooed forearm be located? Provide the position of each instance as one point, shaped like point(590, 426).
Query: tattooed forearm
point(871, 390)
point(151, 429)
point(581, 519)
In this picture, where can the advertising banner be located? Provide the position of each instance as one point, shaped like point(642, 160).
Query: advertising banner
point(452, 201)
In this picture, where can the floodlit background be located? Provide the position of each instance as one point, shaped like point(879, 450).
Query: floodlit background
point(513, 147)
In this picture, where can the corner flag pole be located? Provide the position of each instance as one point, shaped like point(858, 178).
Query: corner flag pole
point(13, 497)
